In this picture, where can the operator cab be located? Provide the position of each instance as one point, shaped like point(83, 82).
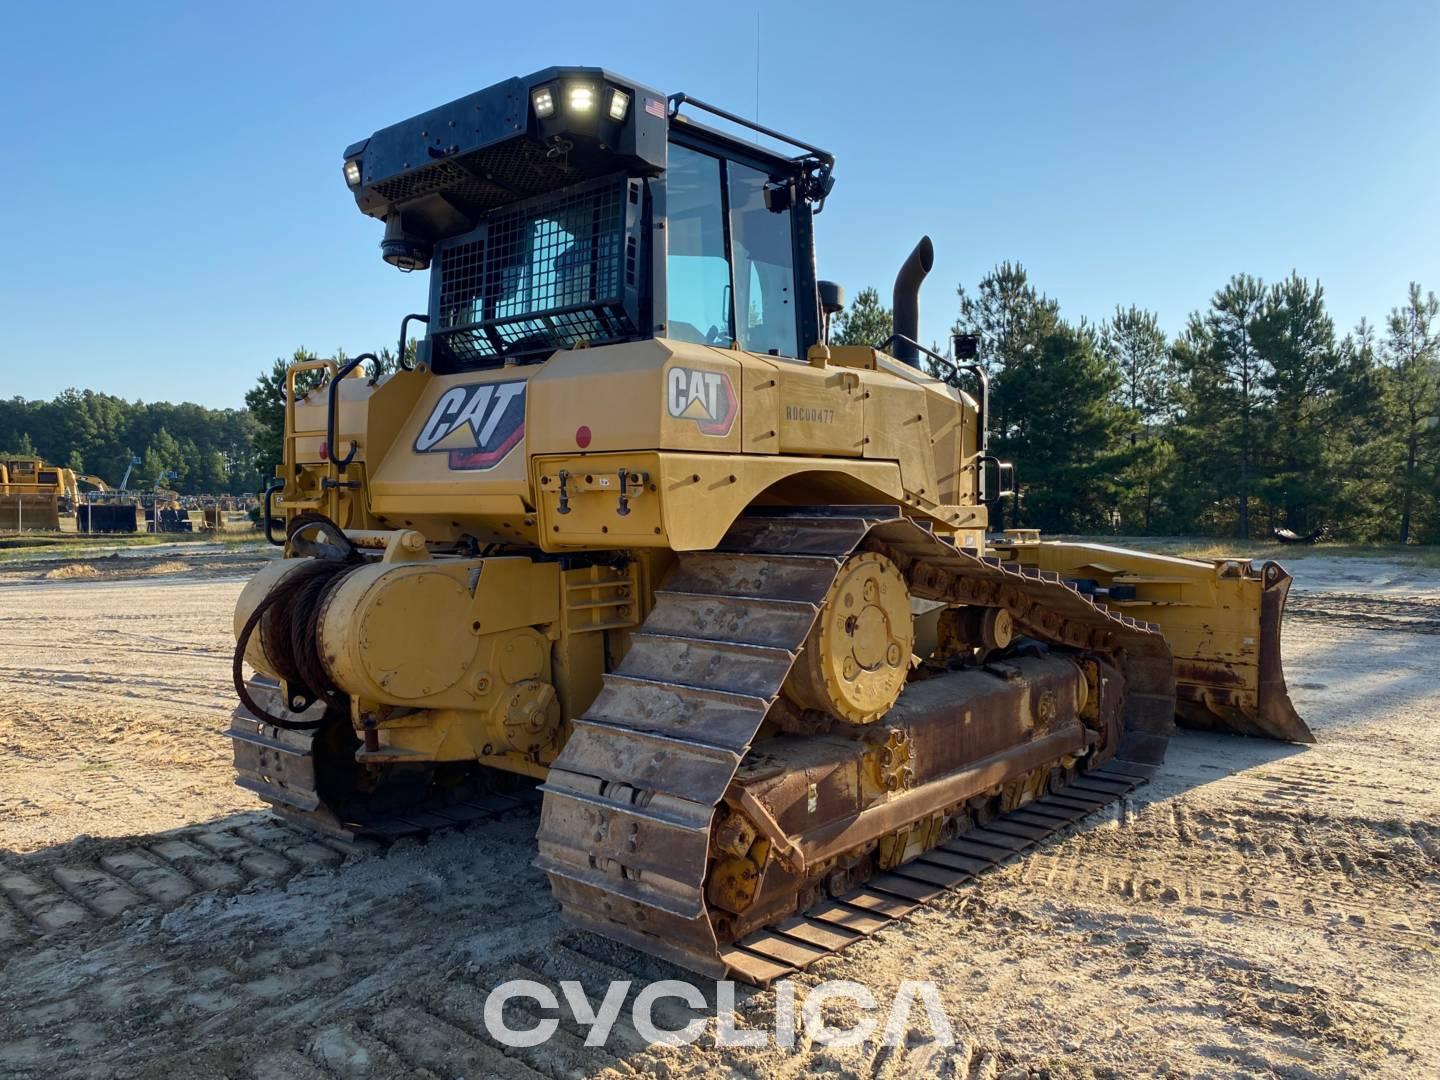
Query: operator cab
point(574, 208)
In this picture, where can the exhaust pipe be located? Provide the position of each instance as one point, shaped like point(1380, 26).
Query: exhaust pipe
point(906, 300)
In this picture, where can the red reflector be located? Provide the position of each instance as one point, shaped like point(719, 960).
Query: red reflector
point(324, 451)
point(582, 436)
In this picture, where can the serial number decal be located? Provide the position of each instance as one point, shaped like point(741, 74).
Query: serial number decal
point(707, 397)
point(476, 424)
point(808, 415)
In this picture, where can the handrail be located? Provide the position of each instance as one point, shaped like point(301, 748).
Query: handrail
point(676, 100)
point(817, 166)
point(400, 356)
point(983, 420)
point(885, 345)
point(275, 484)
point(330, 413)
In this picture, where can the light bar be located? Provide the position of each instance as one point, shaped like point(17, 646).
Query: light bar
point(581, 97)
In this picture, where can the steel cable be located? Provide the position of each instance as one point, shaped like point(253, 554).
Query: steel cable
point(289, 617)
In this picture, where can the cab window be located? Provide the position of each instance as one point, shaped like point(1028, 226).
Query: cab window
point(763, 250)
point(730, 265)
point(697, 271)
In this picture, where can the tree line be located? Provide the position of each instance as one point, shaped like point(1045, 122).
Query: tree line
point(187, 448)
point(1257, 416)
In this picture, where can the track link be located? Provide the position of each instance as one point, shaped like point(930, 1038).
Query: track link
point(303, 775)
point(625, 825)
point(787, 948)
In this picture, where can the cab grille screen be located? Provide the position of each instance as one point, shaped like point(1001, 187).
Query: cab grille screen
point(544, 275)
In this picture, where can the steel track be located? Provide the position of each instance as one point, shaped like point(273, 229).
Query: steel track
point(625, 825)
point(788, 947)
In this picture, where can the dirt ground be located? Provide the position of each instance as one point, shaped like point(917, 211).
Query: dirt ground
point(114, 681)
point(1257, 910)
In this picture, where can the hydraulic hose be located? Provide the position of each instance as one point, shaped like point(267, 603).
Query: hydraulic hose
point(289, 617)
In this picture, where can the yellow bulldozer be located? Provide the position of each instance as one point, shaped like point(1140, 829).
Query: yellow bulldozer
point(631, 527)
point(37, 496)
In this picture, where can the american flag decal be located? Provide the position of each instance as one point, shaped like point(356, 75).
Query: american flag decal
point(655, 107)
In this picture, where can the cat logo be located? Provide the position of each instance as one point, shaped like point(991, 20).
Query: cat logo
point(707, 397)
point(476, 424)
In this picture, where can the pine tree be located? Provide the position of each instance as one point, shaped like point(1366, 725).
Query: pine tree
point(1053, 408)
point(1066, 432)
point(1412, 393)
point(1223, 404)
point(865, 322)
point(1011, 320)
point(1356, 450)
point(1133, 343)
point(1302, 380)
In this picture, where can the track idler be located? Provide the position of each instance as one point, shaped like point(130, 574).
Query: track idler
point(856, 658)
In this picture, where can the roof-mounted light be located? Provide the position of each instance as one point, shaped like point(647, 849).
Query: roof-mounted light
point(543, 101)
point(581, 97)
point(352, 173)
point(619, 103)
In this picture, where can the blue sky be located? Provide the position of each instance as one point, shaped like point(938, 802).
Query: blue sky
point(176, 217)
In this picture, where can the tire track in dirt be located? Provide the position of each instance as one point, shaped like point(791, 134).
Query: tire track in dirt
point(380, 967)
point(1307, 780)
point(77, 886)
point(80, 885)
point(439, 1029)
point(1379, 879)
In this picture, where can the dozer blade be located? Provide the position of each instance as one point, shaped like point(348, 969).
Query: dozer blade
point(1209, 696)
point(1221, 618)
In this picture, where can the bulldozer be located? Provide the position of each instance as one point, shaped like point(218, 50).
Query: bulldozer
point(37, 496)
point(630, 527)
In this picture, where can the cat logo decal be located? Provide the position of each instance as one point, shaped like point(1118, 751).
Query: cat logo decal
point(477, 424)
point(707, 397)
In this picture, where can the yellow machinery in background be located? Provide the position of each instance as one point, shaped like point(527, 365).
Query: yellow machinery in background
point(36, 496)
point(632, 527)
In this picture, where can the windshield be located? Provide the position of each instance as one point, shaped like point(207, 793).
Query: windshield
point(730, 262)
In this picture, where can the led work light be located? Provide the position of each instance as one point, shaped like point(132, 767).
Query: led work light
point(581, 97)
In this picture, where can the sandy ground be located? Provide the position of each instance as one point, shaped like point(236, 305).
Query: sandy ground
point(114, 681)
point(1257, 910)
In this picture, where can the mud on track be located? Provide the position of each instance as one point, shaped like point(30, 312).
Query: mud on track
point(1257, 909)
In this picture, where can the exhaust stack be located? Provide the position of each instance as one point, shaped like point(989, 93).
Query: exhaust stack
point(906, 300)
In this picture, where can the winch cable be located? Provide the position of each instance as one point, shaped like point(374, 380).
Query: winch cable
point(289, 617)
